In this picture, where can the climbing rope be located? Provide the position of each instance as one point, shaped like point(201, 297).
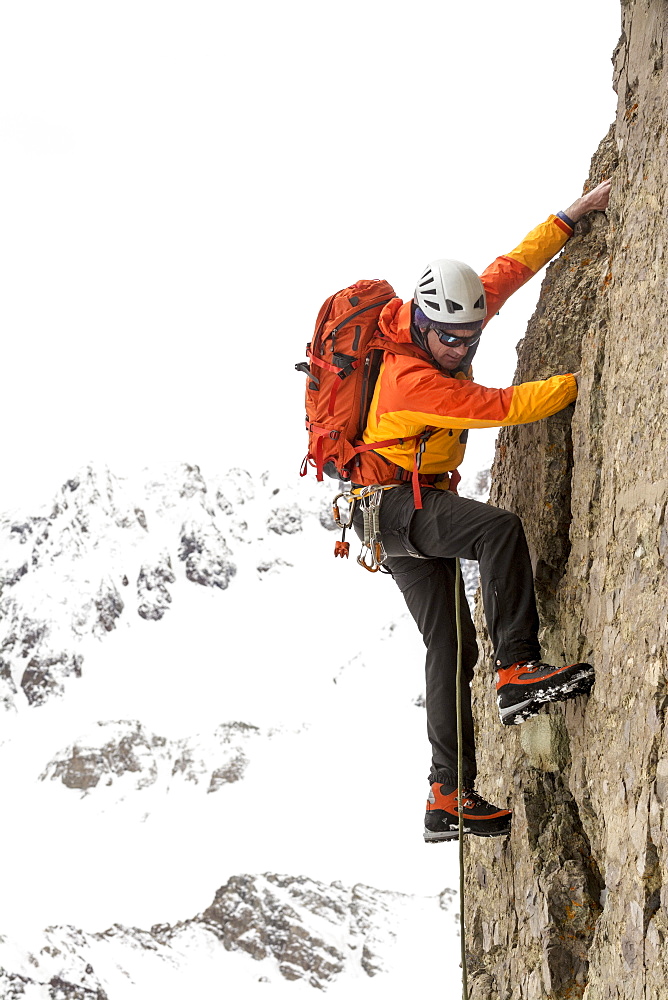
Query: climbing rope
point(460, 775)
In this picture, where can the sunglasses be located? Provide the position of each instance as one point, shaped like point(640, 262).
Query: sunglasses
point(447, 333)
point(449, 340)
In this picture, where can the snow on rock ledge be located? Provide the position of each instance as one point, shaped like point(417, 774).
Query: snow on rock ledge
point(205, 554)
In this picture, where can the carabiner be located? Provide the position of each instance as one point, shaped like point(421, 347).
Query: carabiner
point(351, 500)
point(371, 566)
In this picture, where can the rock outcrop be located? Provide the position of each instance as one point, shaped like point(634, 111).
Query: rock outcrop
point(125, 754)
point(574, 904)
point(152, 588)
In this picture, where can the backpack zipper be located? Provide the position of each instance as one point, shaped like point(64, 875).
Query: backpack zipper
point(365, 393)
point(359, 312)
point(365, 400)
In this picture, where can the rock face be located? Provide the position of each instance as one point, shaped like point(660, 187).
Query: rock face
point(574, 904)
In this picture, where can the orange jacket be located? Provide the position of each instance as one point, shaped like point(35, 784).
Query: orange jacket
point(413, 394)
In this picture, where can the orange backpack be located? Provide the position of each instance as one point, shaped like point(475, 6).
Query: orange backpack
point(344, 360)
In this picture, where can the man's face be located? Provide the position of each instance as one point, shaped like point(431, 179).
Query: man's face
point(449, 357)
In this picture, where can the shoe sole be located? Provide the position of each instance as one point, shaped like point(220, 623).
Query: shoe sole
point(437, 838)
point(515, 715)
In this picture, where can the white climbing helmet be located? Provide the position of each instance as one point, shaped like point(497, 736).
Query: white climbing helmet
point(451, 292)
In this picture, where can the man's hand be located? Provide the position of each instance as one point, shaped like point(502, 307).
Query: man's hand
point(595, 200)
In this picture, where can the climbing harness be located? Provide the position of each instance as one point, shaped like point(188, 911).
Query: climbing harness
point(460, 775)
point(372, 554)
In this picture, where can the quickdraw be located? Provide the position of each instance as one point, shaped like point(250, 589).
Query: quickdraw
point(372, 554)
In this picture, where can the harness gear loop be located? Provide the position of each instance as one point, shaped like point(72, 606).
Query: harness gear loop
point(460, 774)
point(372, 555)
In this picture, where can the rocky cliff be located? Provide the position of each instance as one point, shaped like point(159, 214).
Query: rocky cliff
point(574, 903)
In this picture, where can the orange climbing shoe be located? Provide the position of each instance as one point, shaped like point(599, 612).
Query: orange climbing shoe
point(524, 687)
point(441, 821)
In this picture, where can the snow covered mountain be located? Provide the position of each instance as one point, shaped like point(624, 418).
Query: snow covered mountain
point(193, 688)
point(66, 574)
point(259, 931)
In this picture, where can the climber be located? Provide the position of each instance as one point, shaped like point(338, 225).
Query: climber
point(434, 395)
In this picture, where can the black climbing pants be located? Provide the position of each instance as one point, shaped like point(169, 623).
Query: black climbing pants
point(422, 546)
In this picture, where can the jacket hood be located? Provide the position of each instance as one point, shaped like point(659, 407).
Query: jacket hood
point(395, 321)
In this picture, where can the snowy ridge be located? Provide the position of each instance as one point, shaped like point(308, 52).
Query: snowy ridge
point(263, 930)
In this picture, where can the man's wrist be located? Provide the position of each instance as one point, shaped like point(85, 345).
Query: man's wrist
point(567, 219)
point(576, 210)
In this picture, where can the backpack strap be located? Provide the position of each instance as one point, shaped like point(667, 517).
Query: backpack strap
point(422, 438)
point(341, 372)
point(319, 433)
point(417, 459)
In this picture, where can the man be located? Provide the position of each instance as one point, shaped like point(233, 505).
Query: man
point(429, 392)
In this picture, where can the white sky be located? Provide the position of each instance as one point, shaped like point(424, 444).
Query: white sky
point(184, 183)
